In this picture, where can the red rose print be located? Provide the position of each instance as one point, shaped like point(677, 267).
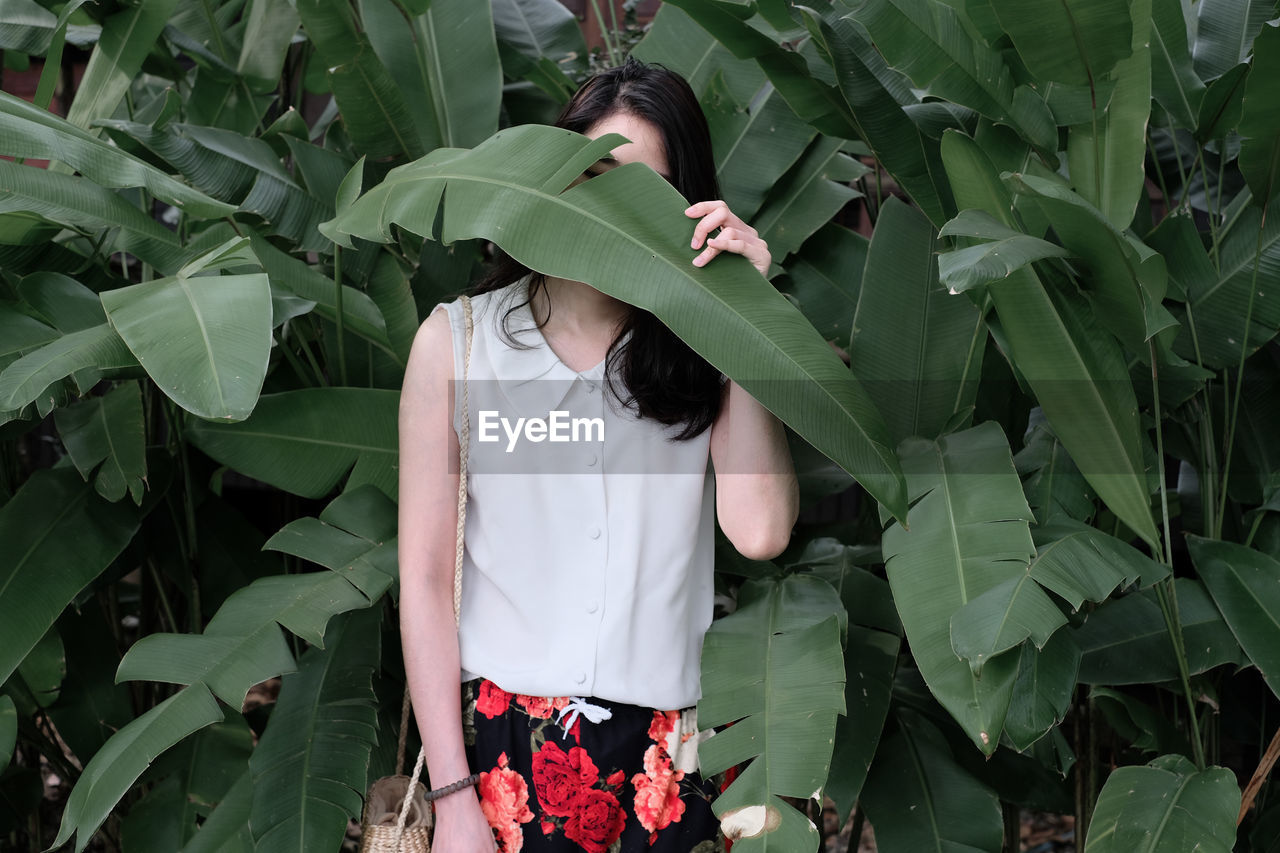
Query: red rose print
point(504, 799)
point(663, 724)
point(493, 700)
point(615, 779)
point(548, 827)
point(657, 802)
point(559, 776)
point(541, 707)
point(597, 820)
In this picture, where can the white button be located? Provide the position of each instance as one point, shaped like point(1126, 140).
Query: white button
point(592, 607)
point(593, 460)
point(594, 533)
point(581, 678)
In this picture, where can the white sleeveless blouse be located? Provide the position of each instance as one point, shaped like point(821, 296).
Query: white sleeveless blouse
point(589, 543)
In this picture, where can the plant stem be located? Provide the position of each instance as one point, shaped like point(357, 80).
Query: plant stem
point(604, 34)
point(1167, 550)
point(1168, 598)
point(342, 343)
point(164, 597)
point(1164, 188)
point(1234, 418)
point(311, 359)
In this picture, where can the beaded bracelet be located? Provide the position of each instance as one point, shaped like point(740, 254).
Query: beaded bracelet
point(453, 787)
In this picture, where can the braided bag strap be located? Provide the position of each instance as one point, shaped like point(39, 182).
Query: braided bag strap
point(464, 441)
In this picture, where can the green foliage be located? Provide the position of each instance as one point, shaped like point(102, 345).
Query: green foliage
point(1048, 218)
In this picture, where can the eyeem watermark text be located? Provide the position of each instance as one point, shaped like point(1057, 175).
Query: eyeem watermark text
point(557, 426)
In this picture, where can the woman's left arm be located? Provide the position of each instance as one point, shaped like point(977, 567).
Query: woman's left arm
point(757, 495)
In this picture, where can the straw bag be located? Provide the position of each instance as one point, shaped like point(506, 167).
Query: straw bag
point(397, 816)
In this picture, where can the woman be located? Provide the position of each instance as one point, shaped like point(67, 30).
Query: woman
point(586, 590)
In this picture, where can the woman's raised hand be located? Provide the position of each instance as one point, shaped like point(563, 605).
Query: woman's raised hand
point(735, 236)
point(461, 826)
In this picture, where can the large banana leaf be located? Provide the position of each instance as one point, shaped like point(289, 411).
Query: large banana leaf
point(310, 768)
point(1126, 285)
point(204, 339)
point(1165, 807)
point(1126, 640)
point(826, 277)
point(676, 41)
point(1079, 378)
point(226, 829)
point(58, 537)
point(1260, 122)
point(755, 142)
point(918, 348)
point(1222, 105)
point(927, 41)
point(1107, 155)
point(1042, 694)
point(773, 669)
point(813, 100)
point(306, 441)
point(1243, 584)
point(27, 131)
point(114, 769)
point(877, 118)
point(8, 729)
point(92, 349)
point(808, 196)
point(270, 27)
point(537, 30)
point(1225, 32)
point(918, 798)
point(127, 37)
point(374, 113)
point(1174, 82)
point(445, 63)
point(189, 780)
point(1075, 561)
point(355, 536)
point(1248, 271)
point(624, 232)
point(107, 431)
point(870, 659)
point(1001, 251)
point(229, 657)
point(1067, 41)
point(79, 203)
point(969, 534)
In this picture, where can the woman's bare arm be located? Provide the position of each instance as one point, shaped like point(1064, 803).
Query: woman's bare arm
point(757, 495)
point(428, 523)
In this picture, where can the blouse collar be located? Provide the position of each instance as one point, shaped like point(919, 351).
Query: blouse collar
point(520, 371)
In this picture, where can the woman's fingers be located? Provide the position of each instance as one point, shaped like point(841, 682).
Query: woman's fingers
point(735, 236)
point(714, 214)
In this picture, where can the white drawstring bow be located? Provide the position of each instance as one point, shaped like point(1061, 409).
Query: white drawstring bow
point(577, 705)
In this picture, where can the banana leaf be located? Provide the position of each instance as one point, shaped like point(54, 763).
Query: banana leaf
point(27, 131)
point(60, 536)
point(1260, 122)
point(127, 38)
point(773, 669)
point(918, 348)
point(1067, 41)
point(927, 42)
point(1079, 377)
point(306, 441)
point(624, 233)
point(112, 771)
point(1166, 805)
point(1174, 82)
point(1225, 32)
point(807, 197)
point(310, 767)
point(969, 535)
point(105, 434)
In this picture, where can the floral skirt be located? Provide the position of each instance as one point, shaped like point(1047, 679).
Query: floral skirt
point(554, 779)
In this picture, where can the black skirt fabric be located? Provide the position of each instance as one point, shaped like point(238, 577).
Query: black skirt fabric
point(554, 781)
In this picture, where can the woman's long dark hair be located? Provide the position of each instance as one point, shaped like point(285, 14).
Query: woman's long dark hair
point(665, 379)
